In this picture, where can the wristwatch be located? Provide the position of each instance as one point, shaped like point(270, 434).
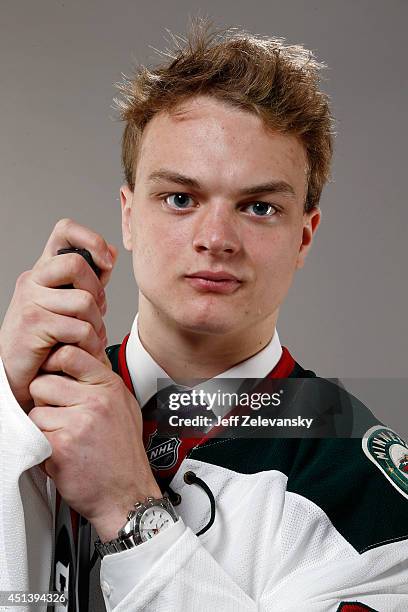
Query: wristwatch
point(144, 521)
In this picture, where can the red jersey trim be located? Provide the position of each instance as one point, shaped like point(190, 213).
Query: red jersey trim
point(354, 606)
point(284, 367)
point(123, 368)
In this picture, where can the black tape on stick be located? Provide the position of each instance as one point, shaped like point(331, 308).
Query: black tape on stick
point(72, 531)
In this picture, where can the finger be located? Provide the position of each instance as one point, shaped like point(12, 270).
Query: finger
point(106, 274)
point(50, 419)
point(68, 269)
point(52, 364)
point(69, 330)
point(79, 364)
point(56, 390)
point(68, 233)
point(73, 303)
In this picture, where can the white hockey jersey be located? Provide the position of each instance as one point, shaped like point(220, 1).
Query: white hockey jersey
point(313, 525)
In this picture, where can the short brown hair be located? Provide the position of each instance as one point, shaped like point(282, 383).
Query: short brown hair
point(278, 82)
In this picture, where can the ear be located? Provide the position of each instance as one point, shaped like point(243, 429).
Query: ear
point(126, 199)
point(311, 220)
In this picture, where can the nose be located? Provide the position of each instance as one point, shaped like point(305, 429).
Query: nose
point(216, 232)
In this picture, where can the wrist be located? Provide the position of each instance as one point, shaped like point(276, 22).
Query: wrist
point(109, 522)
point(145, 520)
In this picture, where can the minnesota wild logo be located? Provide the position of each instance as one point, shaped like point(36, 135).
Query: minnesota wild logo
point(389, 453)
point(403, 466)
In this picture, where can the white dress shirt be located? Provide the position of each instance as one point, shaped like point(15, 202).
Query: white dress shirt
point(139, 360)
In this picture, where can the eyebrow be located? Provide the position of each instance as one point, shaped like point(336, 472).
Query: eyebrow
point(274, 186)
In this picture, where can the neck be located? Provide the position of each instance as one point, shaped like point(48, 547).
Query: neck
point(185, 354)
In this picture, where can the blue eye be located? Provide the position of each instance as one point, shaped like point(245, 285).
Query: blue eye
point(178, 200)
point(262, 209)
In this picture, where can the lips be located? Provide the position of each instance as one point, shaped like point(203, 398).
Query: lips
point(207, 281)
point(214, 276)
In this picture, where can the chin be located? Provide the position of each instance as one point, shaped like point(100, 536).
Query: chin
point(206, 322)
point(200, 314)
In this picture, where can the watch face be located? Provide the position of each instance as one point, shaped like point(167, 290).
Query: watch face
point(154, 520)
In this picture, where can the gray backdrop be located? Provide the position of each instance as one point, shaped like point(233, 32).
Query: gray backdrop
point(60, 156)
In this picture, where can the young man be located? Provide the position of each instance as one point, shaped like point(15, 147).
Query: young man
point(226, 150)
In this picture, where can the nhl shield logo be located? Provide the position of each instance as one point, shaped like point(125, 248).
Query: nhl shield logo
point(389, 453)
point(162, 451)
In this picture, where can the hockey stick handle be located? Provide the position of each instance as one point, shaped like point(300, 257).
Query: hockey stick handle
point(72, 531)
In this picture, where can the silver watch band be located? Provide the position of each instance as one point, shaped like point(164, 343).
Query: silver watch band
point(117, 545)
point(129, 535)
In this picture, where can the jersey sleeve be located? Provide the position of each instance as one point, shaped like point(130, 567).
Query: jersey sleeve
point(26, 515)
point(268, 549)
point(182, 576)
point(315, 577)
point(187, 577)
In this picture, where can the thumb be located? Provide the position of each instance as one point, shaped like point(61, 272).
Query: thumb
point(79, 364)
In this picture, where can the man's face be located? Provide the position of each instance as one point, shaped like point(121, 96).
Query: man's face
point(216, 222)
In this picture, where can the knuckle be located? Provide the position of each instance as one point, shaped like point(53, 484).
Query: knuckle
point(97, 242)
point(35, 413)
point(23, 278)
point(30, 315)
point(86, 301)
point(100, 403)
point(35, 386)
point(85, 423)
point(75, 264)
point(87, 331)
point(62, 225)
point(67, 354)
point(63, 443)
